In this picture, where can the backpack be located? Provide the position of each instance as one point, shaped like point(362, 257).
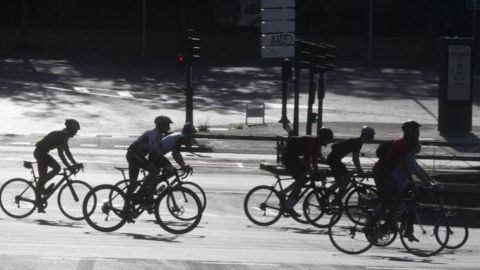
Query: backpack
point(383, 148)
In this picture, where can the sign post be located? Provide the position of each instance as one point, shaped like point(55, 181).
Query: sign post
point(455, 88)
point(278, 40)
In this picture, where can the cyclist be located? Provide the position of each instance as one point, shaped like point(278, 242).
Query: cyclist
point(55, 139)
point(139, 152)
point(393, 172)
point(339, 151)
point(309, 148)
point(170, 143)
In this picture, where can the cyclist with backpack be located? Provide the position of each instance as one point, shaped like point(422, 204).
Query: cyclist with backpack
point(393, 171)
point(339, 151)
point(300, 158)
point(59, 140)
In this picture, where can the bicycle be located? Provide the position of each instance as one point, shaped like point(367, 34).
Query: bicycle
point(177, 209)
point(168, 172)
point(322, 200)
point(358, 235)
point(19, 197)
point(264, 205)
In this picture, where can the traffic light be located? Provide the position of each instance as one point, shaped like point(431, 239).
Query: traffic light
point(193, 48)
point(181, 63)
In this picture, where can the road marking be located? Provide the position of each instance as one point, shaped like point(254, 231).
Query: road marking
point(125, 94)
point(89, 145)
point(121, 146)
point(243, 263)
point(57, 88)
point(21, 143)
point(399, 268)
point(240, 165)
point(82, 90)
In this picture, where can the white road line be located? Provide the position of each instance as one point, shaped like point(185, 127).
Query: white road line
point(399, 268)
point(121, 146)
point(21, 143)
point(82, 90)
point(241, 263)
point(125, 94)
point(58, 88)
point(89, 145)
point(240, 165)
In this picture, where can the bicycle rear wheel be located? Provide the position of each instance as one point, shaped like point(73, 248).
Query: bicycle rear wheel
point(263, 206)
point(349, 236)
point(362, 196)
point(70, 199)
point(178, 210)
point(431, 238)
point(197, 189)
point(104, 213)
point(457, 230)
point(17, 198)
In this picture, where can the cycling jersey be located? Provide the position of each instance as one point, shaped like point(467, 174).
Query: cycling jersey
point(306, 146)
point(342, 149)
point(145, 143)
point(167, 144)
point(53, 140)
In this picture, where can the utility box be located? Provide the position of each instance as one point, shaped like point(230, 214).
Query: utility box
point(455, 85)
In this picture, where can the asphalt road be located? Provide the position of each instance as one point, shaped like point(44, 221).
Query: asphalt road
point(225, 238)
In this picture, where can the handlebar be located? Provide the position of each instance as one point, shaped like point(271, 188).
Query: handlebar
point(74, 169)
point(185, 171)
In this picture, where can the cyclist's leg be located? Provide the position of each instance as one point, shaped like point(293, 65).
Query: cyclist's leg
point(133, 171)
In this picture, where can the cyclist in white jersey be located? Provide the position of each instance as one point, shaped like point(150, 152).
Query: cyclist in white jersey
point(170, 143)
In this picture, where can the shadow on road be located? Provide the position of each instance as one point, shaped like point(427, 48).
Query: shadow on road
point(58, 223)
point(304, 231)
point(159, 237)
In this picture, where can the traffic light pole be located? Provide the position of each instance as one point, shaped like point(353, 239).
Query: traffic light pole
point(189, 96)
point(286, 76)
point(311, 100)
point(321, 96)
point(296, 100)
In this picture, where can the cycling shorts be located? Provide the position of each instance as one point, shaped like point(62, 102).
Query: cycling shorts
point(387, 188)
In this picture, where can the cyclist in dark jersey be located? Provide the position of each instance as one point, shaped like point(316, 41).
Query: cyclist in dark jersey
point(341, 150)
point(139, 152)
point(55, 139)
point(300, 157)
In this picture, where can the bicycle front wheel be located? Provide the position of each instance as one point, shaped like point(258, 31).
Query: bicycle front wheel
point(349, 236)
point(178, 210)
point(198, 190)
point(314, 207)
point(70, 198)
point(428, 239)
point(457, 230)
point(17, 198)
point(361, 196)
point(263, 206)
point(102, 212)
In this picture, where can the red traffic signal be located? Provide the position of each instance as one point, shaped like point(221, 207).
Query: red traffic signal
point(181, 63)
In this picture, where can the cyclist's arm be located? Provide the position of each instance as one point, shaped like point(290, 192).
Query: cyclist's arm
point(356, 162)
point(177, 156)
point(62, 156)
point(416, 169)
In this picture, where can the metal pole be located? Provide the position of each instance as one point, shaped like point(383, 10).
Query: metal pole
point(286, 76)
point(321, 96)
point(311, 100)
point(474, 34)
point(189, 95)
point(370, 30)
point(144, 26)
point(296, 101)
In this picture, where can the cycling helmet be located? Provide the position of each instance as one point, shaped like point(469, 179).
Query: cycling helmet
point(410, 125)
point(367, 132)
point(162, 120)
point(188, 129)
point(72, 124)
point(325, 134)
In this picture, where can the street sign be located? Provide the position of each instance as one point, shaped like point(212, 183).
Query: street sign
point(278, 39)
point(278, 51)
point(277, 3)
point(278, 28)
point(459, 73)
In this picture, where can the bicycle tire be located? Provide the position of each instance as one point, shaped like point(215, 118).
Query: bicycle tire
point(301, 218)
point(10, 202)
point(457, 229)
point(183, 216)
point(197, 189)
point(97, 207)
point(428, 244)
point(348, 236)
point(259, 202)
point(69, 194)
point(315, 209)
point(362, 196)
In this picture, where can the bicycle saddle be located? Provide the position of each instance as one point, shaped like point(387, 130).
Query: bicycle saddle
point(27, 164)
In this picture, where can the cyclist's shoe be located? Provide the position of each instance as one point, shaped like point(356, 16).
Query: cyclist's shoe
point(410, 237)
